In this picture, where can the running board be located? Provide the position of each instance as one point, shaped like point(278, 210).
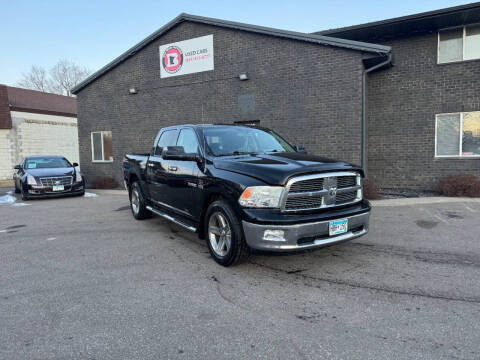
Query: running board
point(172, 219)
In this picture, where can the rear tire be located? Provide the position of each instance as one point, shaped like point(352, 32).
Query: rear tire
point(137, 203)
point(224, 234)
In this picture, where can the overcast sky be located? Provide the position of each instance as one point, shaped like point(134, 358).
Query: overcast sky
point(92, 33)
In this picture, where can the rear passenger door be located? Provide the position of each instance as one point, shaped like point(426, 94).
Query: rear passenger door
point(157, 168)
point(183, 177)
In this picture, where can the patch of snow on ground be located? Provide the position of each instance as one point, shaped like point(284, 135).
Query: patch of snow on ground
point(7, 199)
point(87, 194)
point(20, 204)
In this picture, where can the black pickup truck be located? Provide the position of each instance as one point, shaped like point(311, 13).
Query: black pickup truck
point(242, 187)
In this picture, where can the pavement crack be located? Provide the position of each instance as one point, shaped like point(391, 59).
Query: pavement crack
point(354, 285)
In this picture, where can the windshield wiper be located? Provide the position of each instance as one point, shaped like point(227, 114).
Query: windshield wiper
point(238, 153)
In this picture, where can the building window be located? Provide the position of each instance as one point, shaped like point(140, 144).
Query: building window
point(459, 44)
point(102, 149)
point(458, 135)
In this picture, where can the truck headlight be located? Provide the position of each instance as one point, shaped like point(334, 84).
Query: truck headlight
point(78, 176)
point(31, 180)
point(261, 197)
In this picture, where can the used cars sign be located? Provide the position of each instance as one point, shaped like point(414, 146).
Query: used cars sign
point(186, 57)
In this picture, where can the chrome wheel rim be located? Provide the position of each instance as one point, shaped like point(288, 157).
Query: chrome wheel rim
point(219, 234)
point(135, 201)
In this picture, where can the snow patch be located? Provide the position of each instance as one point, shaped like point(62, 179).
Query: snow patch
point(21, 204)
point(90, 195)
point(7, 199)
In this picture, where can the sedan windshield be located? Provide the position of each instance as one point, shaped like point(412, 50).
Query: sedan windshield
point(237, 140)
point(47, 163)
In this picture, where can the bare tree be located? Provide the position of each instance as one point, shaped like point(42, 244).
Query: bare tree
point(65, 75)
point(36, 79)
point(59, 80)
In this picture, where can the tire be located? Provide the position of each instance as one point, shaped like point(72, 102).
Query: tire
point(17, 190)
point(226, 244)
point(24, 196)
point(137, 203)
point(82, 193)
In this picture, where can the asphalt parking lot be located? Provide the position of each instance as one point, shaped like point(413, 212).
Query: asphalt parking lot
point(81, 279)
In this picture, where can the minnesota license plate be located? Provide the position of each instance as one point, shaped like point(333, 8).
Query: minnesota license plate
point(58, 188)
point(336, 227)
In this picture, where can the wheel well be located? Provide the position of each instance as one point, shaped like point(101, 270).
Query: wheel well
point(210, 199)
point(131, 180)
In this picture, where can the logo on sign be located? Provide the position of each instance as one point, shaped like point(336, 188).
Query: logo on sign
point(172, 59)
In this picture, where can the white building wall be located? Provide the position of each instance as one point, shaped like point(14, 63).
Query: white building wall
point(37, 134)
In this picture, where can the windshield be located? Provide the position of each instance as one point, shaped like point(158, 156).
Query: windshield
point(46, 163)
point(236, 140)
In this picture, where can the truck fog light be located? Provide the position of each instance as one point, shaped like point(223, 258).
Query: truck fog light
point(273, 235)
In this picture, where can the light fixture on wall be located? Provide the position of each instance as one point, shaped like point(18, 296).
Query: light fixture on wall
point(243, 76)
point(132, 90)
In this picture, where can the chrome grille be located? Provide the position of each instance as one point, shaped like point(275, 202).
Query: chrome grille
point(59, 180)
point(318, 191)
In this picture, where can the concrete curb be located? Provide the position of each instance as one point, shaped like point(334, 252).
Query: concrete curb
point(423, 201)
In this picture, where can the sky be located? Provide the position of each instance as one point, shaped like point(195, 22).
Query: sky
point(92, 33)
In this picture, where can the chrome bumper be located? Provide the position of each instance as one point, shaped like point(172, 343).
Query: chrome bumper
point(304, 236)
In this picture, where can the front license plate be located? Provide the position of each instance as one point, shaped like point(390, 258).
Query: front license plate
point(58, 188)
point(336, 227)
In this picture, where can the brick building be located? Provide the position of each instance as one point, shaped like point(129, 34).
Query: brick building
point(35, 123)
point(370, 94)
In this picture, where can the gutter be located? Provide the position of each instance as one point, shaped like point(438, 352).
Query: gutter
point(364, 112)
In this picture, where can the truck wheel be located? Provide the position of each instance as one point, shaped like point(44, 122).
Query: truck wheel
point(24, 196)
point(137, 203)
point(225, 238)
point(17, 190)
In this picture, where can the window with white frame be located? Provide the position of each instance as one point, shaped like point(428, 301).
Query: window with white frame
point(102, 149)
point(458, 134)
point(459, 44)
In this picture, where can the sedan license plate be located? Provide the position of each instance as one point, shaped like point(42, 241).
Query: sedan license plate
point(336, 227)
point(58, 188)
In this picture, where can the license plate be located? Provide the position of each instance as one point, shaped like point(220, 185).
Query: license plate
point(336, 227)
point(58, 188)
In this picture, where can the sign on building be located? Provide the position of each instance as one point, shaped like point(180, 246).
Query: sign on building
point(186, 57)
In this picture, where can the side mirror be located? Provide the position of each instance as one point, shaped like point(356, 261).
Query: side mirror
point(300, 148)
point(178, 153)
point(75, 164)
point(17, 167)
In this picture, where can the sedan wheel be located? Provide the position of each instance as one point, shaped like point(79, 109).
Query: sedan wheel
point(219, 234)
point(135, 201)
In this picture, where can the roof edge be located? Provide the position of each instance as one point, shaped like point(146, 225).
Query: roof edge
point(417, 16)
point(314, 38)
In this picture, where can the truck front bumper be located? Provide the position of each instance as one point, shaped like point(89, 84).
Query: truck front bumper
point(302, 236)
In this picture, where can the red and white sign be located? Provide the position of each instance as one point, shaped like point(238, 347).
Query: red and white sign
point(186, 57)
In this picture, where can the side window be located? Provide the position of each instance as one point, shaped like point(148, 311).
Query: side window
point(188, 139)
point(168, 138)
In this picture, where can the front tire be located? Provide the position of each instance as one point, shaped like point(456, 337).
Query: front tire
point(225, 238)
point(137, 203)
point(24, 196)
point(17, 190)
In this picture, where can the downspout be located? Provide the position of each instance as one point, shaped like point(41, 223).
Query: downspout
point(364, 111)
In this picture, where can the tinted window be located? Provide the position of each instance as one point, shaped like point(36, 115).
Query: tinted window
point(188, 139)
point(168, 138)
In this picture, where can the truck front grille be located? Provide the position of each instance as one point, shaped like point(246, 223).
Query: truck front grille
point(318, 191)
point(59, 180)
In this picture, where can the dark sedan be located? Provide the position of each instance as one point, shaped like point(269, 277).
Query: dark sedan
point(47, 176)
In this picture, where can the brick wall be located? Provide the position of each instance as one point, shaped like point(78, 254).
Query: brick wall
point(5, 119)
point(402, 103)
point(309, 93)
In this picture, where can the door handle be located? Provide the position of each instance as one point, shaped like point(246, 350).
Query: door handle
point(172, 168)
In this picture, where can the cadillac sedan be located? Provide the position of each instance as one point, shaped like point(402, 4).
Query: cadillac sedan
point(47, 176)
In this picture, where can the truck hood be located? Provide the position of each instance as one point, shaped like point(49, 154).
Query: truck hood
point(276, 169)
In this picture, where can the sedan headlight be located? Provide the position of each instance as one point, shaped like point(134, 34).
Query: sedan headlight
point(78, 176)
point(261, 197)
point(31, 180)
